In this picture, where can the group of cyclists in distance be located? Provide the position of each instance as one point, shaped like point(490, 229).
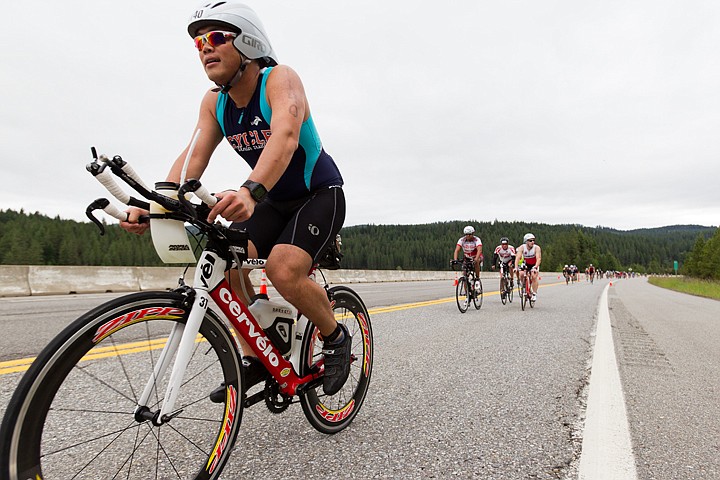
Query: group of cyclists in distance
point(522, 260)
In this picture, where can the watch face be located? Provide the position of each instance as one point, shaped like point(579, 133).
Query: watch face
point(257, 190)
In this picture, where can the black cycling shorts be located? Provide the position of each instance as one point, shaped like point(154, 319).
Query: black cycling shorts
point(309, 223)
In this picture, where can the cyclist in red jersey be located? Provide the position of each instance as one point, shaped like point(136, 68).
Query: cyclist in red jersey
point(590, 271)
point(532, 256)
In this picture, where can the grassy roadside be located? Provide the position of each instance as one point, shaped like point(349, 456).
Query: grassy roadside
point(702, 288)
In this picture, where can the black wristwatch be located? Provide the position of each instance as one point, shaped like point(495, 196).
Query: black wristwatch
point(257, 191)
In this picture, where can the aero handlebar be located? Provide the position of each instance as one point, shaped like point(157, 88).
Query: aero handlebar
point(103, 169)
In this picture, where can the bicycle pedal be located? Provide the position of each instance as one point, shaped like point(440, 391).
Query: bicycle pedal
point(253, 399)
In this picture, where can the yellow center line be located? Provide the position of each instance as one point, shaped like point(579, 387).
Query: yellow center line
point(22, 364)
point(407, 306)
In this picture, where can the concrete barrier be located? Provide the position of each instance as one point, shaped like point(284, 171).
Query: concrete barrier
point(14, 281)
point(44, 280)
point(18, 280)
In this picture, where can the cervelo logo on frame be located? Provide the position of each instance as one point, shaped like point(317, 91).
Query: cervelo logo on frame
point(150, 313)
point(207, 270)
point(228, 422)
point(262, 342)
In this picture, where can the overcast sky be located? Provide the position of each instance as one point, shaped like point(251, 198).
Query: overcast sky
point(594, 113)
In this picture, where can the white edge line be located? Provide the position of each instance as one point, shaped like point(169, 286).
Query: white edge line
point(607, 452)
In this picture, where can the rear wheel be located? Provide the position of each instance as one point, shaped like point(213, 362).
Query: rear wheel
point(462, 294)
point(73, 413)
point(332, 413)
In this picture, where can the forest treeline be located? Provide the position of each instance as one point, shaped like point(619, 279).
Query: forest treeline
point(430, 246)
point(35, 239)
point(703, 261)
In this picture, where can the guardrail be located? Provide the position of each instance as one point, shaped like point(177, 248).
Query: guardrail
point(24, 280)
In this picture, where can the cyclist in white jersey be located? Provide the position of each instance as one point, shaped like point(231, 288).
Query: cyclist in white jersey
point(505, 254)
point(471, 247)
point(532, 256)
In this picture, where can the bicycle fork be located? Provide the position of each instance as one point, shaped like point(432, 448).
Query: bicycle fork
point(210, 272)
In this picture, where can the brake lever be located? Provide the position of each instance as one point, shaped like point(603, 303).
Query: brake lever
point(194, 186)
point(105, 205)
point(100, 203)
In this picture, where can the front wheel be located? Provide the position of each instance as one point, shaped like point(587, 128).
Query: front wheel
point(503, 290)
point(73, 413)
point(477, 293)
point(529, 292)
point(523, 296)
point(462, 294)
point(332, 413)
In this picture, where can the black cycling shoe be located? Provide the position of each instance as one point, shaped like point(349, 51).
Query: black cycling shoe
point(337, 362)
point(254, 372)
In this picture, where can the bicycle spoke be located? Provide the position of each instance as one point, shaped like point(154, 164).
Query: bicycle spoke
point(131, 455)
point(101, 451)
point(204, 452)
point(119, 432)
point(84, 369)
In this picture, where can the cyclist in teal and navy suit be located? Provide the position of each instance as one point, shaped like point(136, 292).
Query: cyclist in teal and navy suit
point(292, 203)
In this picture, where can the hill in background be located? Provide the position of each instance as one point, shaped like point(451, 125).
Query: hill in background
point(430, 246)
point(35, 239)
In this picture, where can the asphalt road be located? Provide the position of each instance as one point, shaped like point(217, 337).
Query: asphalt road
point(497, 393)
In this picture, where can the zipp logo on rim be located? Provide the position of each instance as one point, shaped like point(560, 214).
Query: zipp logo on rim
point(335, 415)
point(222, 444)
point(150, 313)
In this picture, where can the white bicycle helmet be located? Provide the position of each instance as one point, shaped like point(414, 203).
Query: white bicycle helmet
point(528, 236)
point(252, 41)
point(468, 230)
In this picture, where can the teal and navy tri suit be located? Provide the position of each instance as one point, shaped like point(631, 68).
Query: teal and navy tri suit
point(306, 207)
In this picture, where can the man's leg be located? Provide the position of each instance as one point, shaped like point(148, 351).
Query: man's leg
point(287, 269)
